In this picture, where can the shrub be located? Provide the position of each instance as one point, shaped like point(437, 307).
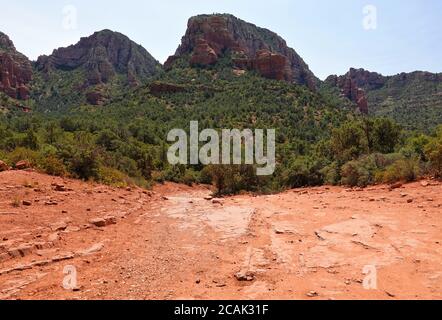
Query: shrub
point(85, 165)
point(406, 170)
point(331, 174)
point(363, 172)
point(355, 174)
point(302, 172)
point(21, 153)
point(190, 177)
point(53, 166)
point(112, 177)
point(433, 152)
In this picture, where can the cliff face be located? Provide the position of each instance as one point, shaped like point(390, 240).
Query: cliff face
point(15, 70)
point(103, 55)
point(412, 99)
point(355, 84)
point(210, 37)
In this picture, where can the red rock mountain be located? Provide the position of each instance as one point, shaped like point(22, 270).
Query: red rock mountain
point(15, 70)
point(103, 55)
point(210, 37)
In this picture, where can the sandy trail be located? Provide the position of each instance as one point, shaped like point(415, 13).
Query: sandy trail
point(177, 243)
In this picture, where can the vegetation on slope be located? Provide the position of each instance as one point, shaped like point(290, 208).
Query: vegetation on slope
point(318, 140)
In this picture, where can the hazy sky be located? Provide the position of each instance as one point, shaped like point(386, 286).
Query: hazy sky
point(329, 35)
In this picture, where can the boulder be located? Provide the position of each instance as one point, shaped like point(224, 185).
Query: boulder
point(22, 165)
point(4, 166)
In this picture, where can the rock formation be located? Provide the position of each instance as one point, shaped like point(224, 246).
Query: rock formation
point(374, 92)
point(211, 37)
point(103, 56)
point(354, 85)
point(15, 70)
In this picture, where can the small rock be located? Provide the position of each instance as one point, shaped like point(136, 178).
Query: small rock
point(312, 294)
point(60, 226)
point(71, 229)
point(247, 276)
point(396, 186)
point(20, 251)
point(425, 183)
point(410, 201)
point(391, 295)
point(53, 237)
point(94, 249)
point(27, 203)
point(98, 222)
point(60, 188)
point(110, 220)
point(43, 245)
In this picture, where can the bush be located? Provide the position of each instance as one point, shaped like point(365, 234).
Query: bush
point(406, 170)
point(85, 165)
point(21, 153)
point(367, 170)
point(231, 179)
point(331, 174)
point(112, 177)
point(433, 152)
point(205, 176)
point(190, 177)
point(53, 166)
point(302, 172)
point(354, 173)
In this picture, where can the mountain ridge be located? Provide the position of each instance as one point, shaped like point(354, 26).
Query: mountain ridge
point(413, 99)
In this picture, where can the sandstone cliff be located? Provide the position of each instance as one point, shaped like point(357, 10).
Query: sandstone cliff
point(210, 37)
point(15, 70)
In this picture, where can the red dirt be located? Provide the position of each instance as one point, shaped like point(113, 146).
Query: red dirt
point(175, 244)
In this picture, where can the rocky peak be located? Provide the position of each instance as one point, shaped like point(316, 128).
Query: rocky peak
point(6, 43)
point(354, 85)
point(210, 37)
point(103, 55)
point(15, 70)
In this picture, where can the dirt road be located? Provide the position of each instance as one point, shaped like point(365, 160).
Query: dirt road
point(178, 243)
